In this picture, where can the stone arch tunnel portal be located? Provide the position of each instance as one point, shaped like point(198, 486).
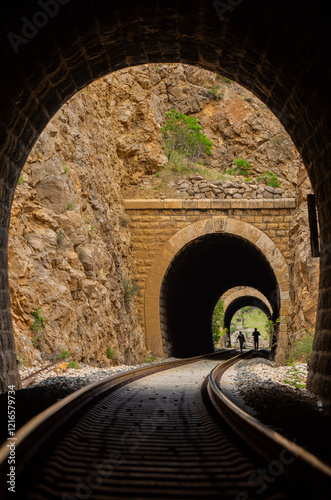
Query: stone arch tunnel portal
point(244, 301)
point(198, 275)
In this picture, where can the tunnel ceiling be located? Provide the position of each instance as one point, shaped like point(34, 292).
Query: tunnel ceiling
point(196, 279)
point(240, 302)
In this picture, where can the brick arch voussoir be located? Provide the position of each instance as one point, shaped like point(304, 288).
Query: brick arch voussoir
point(233, 294)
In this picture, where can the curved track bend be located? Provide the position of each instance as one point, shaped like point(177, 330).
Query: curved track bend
point(153, 433)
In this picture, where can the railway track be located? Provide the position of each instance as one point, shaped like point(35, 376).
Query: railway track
point(160, 432)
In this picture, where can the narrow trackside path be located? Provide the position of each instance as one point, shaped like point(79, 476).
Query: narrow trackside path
point(150, 439)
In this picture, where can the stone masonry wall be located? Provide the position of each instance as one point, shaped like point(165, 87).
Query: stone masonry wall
point(198, 187)
point(154, 222)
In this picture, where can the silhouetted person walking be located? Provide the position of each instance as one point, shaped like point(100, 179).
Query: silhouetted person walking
point(256, 335)
point(241, 338)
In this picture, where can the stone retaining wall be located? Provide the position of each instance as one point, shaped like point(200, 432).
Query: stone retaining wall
point(198, 187)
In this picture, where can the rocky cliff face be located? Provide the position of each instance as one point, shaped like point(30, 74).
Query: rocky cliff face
point(239, 125)
point(69, 251)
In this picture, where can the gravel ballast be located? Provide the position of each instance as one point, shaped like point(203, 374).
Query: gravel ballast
point(291, 411)
point(52, 386)
point(259, 382)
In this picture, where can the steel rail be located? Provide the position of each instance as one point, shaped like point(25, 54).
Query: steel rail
point(304, 467)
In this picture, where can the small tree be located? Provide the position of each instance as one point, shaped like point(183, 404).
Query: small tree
point(183, 134)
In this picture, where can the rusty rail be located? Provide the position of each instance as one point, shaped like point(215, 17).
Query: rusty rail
point(32, 377)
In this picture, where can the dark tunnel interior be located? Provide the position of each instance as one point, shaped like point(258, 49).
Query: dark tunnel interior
point(243, 302)
point(197, 277)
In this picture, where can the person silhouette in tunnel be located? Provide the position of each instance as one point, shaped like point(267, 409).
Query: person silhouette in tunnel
point(256, 335)
point(241, 338)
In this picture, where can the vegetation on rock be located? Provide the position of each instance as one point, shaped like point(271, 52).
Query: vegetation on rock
point(131, 289)
point(182, 134)
point(241, 167)
point(74, 364)
point(270, 179)
point(63, 354)
point(218, 321)
point(250, 317)
point(301, 348)
point(111, 353)
point(37, 325)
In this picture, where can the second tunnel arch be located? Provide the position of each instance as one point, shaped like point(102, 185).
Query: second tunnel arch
point(236, 298)
point(155, 314)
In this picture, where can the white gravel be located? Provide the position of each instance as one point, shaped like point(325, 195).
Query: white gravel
point(260, 370)
point(81, 376)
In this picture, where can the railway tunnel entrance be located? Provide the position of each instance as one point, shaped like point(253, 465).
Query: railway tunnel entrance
point(199, 274)
point(90, 39)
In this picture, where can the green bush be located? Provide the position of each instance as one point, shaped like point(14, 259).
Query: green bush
point(270, 179)
point(301, 348)
point(123, 220)
point(177, 164)
point(224, 78)
point(65, 169)
point(63, 354)
point(71, 205)
point(37, 325)
point(183, 134)
point(21, 179)
point(111, 353)
point(241, 167)
point(60, 238)
point(294, 378)
point(81, 253)
point(150, 358)
point(74, 364)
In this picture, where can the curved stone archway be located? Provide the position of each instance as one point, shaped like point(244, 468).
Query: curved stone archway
point(239, 297)
point(237, 292)
point(84, 40)
point(154, 309)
